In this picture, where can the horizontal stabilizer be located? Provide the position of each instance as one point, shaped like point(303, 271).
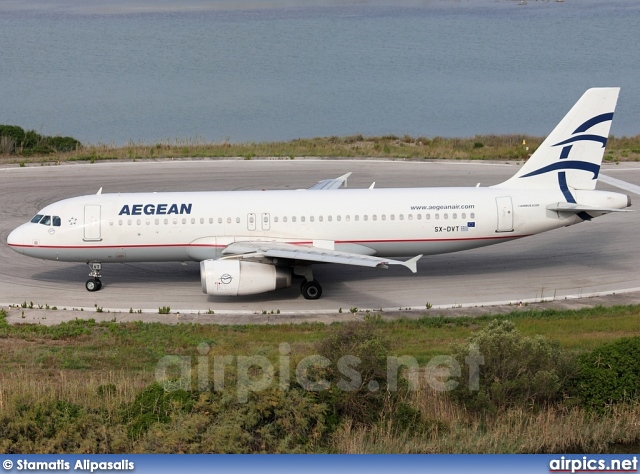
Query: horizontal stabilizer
point(576, 208)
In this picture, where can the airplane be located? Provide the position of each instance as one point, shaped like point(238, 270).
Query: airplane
point(251, 242)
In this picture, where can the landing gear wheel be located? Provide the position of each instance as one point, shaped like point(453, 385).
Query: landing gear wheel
point(311, 290)
point(93, 285)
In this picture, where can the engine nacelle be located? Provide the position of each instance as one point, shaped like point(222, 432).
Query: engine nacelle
point(234, 277)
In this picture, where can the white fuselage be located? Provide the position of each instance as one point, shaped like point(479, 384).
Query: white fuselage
point(145, 227)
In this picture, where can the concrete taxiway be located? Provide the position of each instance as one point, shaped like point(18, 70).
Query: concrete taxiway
point(598, 257)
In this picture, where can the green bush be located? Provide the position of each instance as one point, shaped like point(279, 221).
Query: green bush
point(30, 142)
point(270, 421)
point(517, 370)
point(48, 426)
point(12, 131)
point(155, 405)
point(356, 390)
point(610, 374)
point(63, 143)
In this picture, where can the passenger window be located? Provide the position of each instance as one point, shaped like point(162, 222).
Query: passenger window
point(157, 221)
point(428, 216)
point(284, 219)
point(293, 219)
point(347, 218)
point(419, 216)
point(302, 219)
point(129, 222)
point(120, 222)
point(36, 218)
point(138, 222)
point(401, 217)
point(357, 218)
point(237, 220)
point(166, 221)
point(320, 218)
point(46, 220)
point(455, 216)
point(202, 220)
point(147, 221)
point(393, 217)
point(437, 216)
point(57, 221)
point(275, 219)
point(365, 217)
point(338, 218)
point(329, 218)
point(375, 217)
point(472, 215)
point(311, 218)
point(464, 216)
point(383, 217)
point(410, 217)
point(210, 220)
point(446, 216)
point(219, 220)
point(228, 220)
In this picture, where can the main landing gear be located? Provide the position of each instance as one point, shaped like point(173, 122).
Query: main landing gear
point(94, 284)
point(310, 289)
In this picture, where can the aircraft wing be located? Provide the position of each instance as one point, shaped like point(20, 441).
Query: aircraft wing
point(334, 183)
point(311, 254)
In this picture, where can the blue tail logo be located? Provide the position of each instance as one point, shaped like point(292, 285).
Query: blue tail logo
point(577, 135)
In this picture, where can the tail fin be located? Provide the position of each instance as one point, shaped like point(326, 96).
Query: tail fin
point(570, 157)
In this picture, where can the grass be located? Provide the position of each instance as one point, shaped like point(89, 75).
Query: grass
point(480, 147)
point(92, 370)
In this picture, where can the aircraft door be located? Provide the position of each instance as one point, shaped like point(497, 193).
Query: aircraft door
point(505, 214)
point(251, 221)
point(266, 221)
point(92, 223)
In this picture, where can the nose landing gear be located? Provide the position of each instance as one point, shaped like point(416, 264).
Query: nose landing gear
point(94, 284)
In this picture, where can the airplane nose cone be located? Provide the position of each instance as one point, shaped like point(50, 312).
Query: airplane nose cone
point(15, 240)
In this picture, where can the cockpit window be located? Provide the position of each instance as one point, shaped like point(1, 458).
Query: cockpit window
point(47, 220)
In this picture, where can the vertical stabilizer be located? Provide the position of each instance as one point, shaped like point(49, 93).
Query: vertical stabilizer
point(570, 157)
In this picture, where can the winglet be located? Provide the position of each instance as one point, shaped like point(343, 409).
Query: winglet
point(412, 264)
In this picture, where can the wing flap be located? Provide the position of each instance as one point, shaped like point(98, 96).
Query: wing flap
point(257, 250)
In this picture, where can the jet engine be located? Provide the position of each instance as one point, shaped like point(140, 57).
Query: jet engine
point(234, 277)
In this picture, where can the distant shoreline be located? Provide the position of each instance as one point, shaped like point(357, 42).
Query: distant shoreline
point(479, 147)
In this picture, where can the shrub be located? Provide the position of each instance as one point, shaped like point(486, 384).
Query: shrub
point(357, 374)
point(270, 421)
point(30, 142)
point(154, 405)
point(610, 374)
point(517, 370)
point(63, 143)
